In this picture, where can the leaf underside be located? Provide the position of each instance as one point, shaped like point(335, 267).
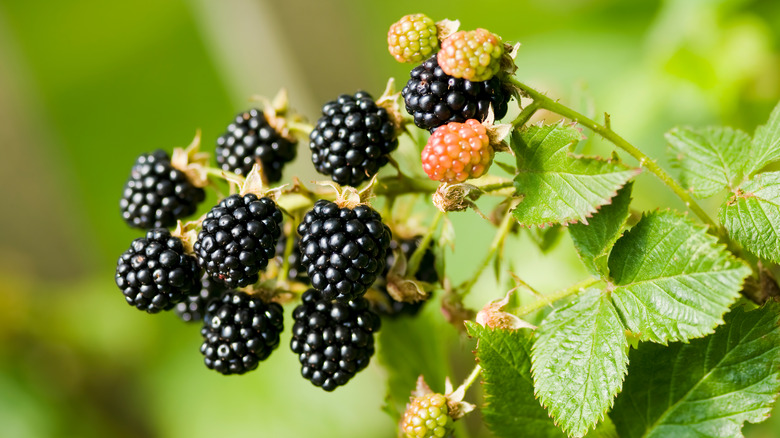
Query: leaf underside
point(707, 388)
point(556, 186)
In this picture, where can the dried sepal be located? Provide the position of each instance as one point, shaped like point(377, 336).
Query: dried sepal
point(389, 100)
point(188, 234)
point(457, 197)
point(400, 288)
point(445, 28)
point(494, 317)
point(192, 162)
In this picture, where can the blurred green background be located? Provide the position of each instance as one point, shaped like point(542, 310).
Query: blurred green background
point(87, 85)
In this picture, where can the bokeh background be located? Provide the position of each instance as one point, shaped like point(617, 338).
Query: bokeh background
point(87, 85)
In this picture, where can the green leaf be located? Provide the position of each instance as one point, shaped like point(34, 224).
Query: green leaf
point(510, 410)
point(707, 388)
point(709, 159)
point(672, 280)
point(766, 143)
point(579, 361)
point(410, 347)
point(546, 238)
point(558, 187)
point(594, 241)
point(752, 215)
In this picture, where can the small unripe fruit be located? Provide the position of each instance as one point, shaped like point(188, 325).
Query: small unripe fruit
point(427, 417)
point(473, 55)
point(412, 38)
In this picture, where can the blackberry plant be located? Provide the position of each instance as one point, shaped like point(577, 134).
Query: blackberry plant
point(667, 293)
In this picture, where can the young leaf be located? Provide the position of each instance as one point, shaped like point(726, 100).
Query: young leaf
point(558, 187)
point(766, 143)
point(707, 388)
point(579, 361)
point(594, 240)
point(673, 281)
point(709, 159)
point(510, 410)
point(752, 215)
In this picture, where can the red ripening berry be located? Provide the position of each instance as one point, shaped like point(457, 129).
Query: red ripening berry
point(457, 151)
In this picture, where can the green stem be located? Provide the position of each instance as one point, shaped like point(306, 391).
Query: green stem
point(497, 186)
point(414, 261)
point(471, 378)
point(498, 239)
point(526, 114)
point(401, 185)
point(288, 249)
point(546, 300)
point(644, 161)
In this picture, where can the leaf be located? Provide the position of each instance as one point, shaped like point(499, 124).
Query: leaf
point(558, 187)
point(510, 410)
point(594, 241)
point(709, 159)
point(752, 215)
point(410, 347)
point(673, 281)
point(546, 238)
point(707, 388)
point(766, 143)
point(580, 358)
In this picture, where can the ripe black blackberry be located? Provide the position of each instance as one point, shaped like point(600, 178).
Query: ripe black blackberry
point(433, 98)
point(154, 273)
point(352, 139)
point(296, 271)
point(343, 249)
point(385, 304)
point(334, 340)
point(156, 194)
point(250, 138)
point(239, 331)
point(238, 238)
point(193, 307)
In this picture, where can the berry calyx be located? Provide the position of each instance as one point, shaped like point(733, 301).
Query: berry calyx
point(473, 55)
point(343, 249)
point(155, 273)
point(237, 239)
point(239, 331)
point(427, 416)
point(434, 98)
point(383, 303)
point(456, 152)
point(249, 139)
point(352, 139)
point(334, 340)
point(156, 194)
point(413, 38)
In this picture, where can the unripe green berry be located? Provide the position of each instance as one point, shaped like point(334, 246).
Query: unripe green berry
point(473, 55)
point(413, 38)
point(427, 417)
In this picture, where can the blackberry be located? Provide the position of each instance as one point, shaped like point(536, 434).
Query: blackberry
point(250, 138)
point(193, 307)
point(157, 195)
point(434, 98)
point(334, 340)
point(238, 237)
point(385, 304)
point(296, 271)
point(343, 249)
point(154, 273)
point(239, 331)
point(352, 139)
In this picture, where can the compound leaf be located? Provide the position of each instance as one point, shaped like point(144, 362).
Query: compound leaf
point(707, 388)
point(594, 240)
point(557, 186)
point(580, 358)
point(709, 159)
point(752, 215)
point(510, 410)
point(671, 280)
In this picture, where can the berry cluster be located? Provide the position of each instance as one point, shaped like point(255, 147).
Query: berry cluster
point(214, 270)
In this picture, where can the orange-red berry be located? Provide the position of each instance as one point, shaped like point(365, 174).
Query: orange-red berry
point(457, 151)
